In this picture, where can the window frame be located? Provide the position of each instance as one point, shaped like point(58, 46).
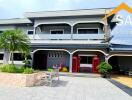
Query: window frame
point(57, 30)
point(88, 28)
point(28, 31)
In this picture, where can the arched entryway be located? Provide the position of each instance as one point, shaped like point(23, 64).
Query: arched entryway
point(121, 64)
point(86, 61)
point(44, 59)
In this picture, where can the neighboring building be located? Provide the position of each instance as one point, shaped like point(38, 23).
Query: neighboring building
point(77, 39)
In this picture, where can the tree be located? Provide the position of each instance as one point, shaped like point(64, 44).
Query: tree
point(105, 69)
point(12, 41)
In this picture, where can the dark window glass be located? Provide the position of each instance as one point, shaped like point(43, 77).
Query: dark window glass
point(1, 56)
point(30, 32)
point(90, 60)
point(1, 31)
point(83, 60)
point(87, 31)
point(57, 32)
point(86, 60)
point(18, 57)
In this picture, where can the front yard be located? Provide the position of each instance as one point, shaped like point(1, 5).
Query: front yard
point(68, 88)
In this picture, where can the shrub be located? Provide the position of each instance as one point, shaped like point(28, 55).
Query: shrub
point(20, 69)
point(10, 68)
point(104, 68)
point(28, 70)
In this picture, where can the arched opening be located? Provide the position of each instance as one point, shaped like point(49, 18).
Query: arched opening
point(88, 31)
point(54, 31)
point(120, 64)
point(44, 59)
point(87, 61)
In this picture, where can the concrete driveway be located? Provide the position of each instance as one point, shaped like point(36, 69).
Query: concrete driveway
point(69, 88)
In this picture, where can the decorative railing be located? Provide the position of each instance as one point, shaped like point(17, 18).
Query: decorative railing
point(67, 36)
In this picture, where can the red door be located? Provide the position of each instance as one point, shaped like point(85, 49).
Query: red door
point(95, 63)
point(75, 64)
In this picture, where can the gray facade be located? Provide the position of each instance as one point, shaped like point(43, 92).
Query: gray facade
point(62, 34)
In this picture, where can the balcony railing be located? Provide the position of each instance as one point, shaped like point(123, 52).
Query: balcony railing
point(67, 36)
point(88, 36)
point(53, 36)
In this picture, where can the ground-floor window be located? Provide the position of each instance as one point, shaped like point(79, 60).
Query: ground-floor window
point(86, 60)
point(18, 57)
point(1, 56)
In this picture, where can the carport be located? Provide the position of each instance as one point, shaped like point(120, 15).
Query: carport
point(121, 63)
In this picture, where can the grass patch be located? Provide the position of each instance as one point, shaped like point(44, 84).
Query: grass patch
point(10, 68)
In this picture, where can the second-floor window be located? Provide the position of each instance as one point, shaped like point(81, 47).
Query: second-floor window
point(56, 31)
point(30, 32)
point(87, 31)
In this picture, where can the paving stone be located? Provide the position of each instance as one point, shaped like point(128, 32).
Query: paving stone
point(69, 88)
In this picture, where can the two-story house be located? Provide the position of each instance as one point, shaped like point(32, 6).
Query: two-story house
point(76, 39)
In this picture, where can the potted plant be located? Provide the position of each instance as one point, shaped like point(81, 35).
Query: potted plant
point(105, 69)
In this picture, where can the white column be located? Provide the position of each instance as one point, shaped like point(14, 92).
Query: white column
point(71, 32)
point(6, 57)
point(34, 32)
point(106, 59)
point(70, 65)
point(32, 54)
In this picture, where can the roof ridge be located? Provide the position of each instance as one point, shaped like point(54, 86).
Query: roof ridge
point(70, 10)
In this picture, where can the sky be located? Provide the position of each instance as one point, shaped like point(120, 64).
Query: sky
point(17, 8)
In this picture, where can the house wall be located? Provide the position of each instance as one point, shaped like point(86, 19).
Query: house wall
point(46, 28)
point(58, 60)
point(88, 26)
point(100, 55)
point(69, 20)
point(25, 28)
point(6, 27)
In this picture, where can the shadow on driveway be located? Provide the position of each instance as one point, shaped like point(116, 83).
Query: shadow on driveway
point(121, 86)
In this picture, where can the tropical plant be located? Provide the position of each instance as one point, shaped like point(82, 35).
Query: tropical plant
point(11, 68)
point(104, 68)
point(14, 40)
point(28, 70)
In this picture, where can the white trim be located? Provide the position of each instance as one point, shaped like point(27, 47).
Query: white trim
point(87, 28)
point(91, 50)
point(39, 29)
point(50, 23)
point(57, 30)
point(52, 50)
point(69, 23)
point(82, 55)
point(129, 55)
point(78, 22)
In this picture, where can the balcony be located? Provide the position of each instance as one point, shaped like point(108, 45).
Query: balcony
point(83, 31)
point(44, 36)
point(53, 36)
point(88, 36)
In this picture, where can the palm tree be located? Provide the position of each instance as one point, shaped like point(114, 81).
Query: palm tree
point(14, 40)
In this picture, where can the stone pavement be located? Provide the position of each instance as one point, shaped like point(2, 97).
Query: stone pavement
point(68, 88)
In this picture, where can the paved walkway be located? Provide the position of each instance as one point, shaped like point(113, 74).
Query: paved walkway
point(69, 88)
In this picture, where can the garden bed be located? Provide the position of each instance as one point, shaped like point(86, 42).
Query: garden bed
point(21, 80)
